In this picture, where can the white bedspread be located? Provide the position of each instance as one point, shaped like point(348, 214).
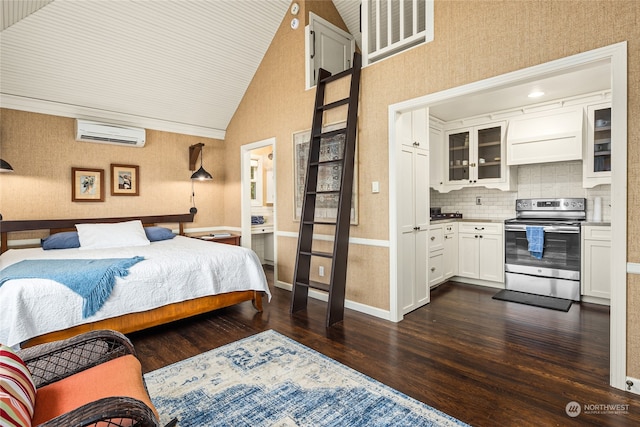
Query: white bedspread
point(173, 270)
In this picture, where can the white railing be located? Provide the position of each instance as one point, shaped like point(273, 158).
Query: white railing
point(390, 26)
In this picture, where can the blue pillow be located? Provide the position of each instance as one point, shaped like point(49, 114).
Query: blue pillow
point(155, 234)
point(65, 240)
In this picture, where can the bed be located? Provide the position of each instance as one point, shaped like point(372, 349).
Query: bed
point(178, 278)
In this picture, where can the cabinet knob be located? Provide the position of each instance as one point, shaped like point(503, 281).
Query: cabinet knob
point(433, 238)
point(416, 144)
point(433, 269)
point(476, 236)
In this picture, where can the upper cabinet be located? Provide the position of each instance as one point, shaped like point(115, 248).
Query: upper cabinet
point(554, 135)
point(597, 149)
point(475, 156)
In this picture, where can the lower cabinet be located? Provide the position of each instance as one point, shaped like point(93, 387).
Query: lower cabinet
point(443, 253)
point(596, 261)
point(481, 251)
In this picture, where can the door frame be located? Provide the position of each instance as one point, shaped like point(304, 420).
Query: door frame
point(245, 196)
point(616, 54)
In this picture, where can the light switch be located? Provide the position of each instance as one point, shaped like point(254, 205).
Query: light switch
point(375, 187)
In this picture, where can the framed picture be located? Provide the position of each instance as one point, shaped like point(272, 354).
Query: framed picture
point(125, 180)
point(87, 185)
point(328, 176)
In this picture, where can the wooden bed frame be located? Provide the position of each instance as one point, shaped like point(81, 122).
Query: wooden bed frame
point(131, 322)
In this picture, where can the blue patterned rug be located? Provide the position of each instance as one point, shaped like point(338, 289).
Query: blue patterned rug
point(271, 380)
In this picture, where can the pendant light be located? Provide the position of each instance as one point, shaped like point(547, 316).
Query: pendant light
point(5, 166)
point(201, 174)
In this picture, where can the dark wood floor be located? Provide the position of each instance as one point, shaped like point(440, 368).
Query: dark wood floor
point(483, 361)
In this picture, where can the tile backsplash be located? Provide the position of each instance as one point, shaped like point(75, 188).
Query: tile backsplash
point(560, 179)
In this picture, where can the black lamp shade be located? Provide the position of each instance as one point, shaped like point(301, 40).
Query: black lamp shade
point(5, 167)
point(201, 175)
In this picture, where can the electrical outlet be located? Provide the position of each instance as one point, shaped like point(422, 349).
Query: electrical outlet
point(321, 271)
point(478, 200)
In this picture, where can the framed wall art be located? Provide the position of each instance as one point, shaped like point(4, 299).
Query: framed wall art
point(87, 185)
point(328, 175)
point(125, 180)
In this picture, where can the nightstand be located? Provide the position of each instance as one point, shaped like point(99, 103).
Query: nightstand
point(233, 239)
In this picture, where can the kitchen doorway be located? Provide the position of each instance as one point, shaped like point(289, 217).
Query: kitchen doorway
point(258, 211)
point(616, 56)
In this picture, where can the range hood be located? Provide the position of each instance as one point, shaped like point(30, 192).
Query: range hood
point(547, 136)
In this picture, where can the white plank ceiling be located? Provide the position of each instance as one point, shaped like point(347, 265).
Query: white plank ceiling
point(164, 64)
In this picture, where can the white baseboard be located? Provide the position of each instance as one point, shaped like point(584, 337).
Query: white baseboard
point(352, 305)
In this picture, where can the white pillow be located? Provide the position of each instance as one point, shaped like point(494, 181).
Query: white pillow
point(117, 235)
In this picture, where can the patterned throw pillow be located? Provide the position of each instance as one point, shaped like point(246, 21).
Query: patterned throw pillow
point(17, 390)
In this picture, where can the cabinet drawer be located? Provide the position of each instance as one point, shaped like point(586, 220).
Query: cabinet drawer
point(450, 228)
point(436, 238)
point(436, 269)
point(596, 232)
point(480, 227)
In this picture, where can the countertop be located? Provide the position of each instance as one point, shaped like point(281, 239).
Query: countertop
point(446, 220)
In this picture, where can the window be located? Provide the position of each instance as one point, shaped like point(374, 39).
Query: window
point(256, 182)
point(391, 26)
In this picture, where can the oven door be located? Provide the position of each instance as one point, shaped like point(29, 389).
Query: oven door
point(560, 256)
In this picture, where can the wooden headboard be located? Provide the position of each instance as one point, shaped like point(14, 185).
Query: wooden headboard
point(58, 225)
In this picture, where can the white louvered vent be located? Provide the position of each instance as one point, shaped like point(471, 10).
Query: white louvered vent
point(390, 26)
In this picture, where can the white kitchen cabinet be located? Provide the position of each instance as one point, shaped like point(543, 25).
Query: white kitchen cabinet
point(481, 251)
point(450, 261)
point(553, 135)
point(443, 253)
point(413, 210)
point(475, 157)
point(597, 148)
point(596, 262)
point(436, 156)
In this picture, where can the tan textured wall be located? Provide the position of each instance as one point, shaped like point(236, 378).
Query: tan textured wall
point(473, 41)
point(42, 150)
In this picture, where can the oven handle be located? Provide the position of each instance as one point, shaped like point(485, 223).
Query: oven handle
point(547, 229)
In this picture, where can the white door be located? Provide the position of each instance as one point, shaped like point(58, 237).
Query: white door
point(328, 47)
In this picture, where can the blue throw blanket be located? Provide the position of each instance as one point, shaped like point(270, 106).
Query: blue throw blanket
point(92, 279)
point(535, 237)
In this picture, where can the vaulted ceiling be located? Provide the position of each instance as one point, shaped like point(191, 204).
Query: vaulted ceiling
point(184, 64)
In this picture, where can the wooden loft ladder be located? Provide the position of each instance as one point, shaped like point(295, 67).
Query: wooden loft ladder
point(317, 165)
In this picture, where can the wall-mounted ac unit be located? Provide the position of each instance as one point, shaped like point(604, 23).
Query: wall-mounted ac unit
point(104, 133)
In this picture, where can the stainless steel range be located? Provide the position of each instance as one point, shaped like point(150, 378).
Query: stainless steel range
point(555, 224)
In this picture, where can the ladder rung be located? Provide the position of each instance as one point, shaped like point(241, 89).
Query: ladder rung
point(338, 76)
point(330, 133)
point(324, 162)
point(334, 104)
point(319, 222)
point(324, 192)
point(315, 285)
point(316, 253)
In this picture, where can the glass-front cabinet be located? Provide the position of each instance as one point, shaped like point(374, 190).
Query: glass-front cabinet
point(475, 157)
point(597, 159)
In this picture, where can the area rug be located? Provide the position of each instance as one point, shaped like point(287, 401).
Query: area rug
point(271, 380)
point(543, 301)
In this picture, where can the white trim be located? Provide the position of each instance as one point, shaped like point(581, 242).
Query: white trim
point(245, 195)
point(617, 55)
point(352, 305)
point(14, 102)
point(618, 317)
point(633, 268)
point(329, 238)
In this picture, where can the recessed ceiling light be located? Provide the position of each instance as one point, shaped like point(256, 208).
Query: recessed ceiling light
point(536, 94)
